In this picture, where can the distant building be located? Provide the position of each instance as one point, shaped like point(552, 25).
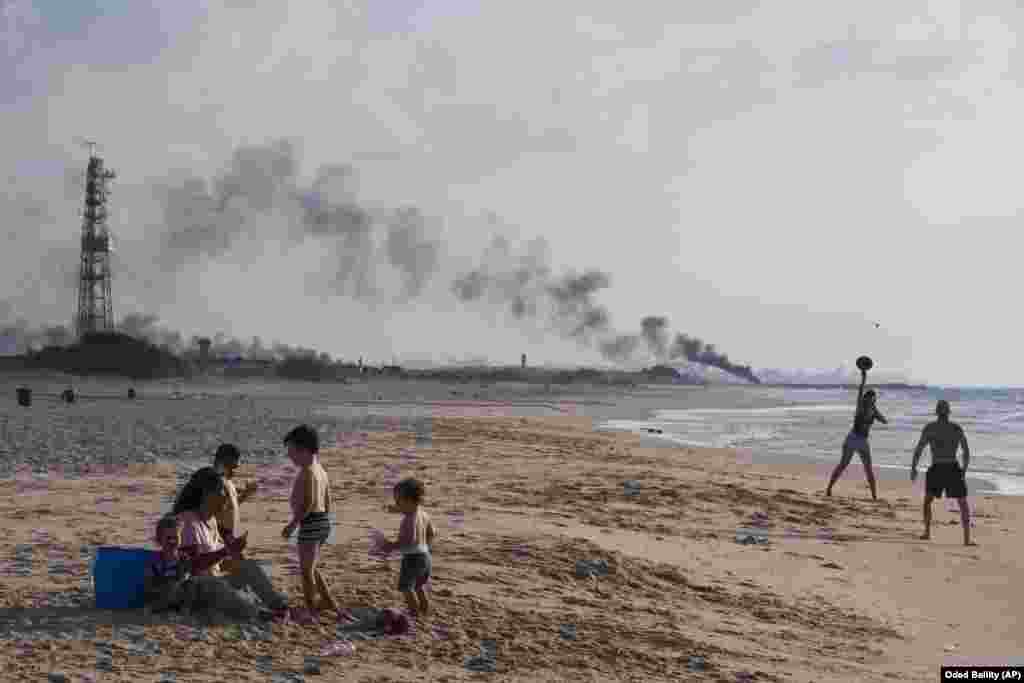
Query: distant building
point(250, 368)
point(204, 354)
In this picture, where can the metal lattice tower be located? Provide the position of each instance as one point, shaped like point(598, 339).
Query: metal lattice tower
point(95, 313)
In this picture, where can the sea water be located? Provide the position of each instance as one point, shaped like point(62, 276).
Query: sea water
point(782, 423)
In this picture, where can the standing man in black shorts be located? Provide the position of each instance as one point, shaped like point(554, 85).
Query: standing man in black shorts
point(945, 475)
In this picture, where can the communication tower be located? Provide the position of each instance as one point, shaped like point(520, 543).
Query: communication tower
point(95, 313)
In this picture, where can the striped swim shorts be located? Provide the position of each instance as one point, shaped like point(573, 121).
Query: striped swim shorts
point(315, 528)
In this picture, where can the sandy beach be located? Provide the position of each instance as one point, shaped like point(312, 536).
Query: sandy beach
point(834, 589)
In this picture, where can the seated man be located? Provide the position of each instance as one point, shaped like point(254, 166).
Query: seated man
point(226, 461)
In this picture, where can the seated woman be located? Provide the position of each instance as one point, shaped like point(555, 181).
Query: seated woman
point(196, 508)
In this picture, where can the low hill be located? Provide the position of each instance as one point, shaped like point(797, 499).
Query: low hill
point(109, 353)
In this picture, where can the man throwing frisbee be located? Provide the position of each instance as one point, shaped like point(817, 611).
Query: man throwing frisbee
point(945, 474)
point(857, 440)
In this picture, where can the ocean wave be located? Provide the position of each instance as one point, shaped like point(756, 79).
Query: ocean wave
point(1006, 484)
point(730, 437)
point(679, 415)
point(775, 425)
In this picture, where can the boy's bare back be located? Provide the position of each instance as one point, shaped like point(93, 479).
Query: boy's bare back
point(313, 486)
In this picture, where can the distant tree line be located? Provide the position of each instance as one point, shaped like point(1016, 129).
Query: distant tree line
point(109, 353)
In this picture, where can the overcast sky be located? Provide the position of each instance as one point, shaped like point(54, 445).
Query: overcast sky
point(773, 179)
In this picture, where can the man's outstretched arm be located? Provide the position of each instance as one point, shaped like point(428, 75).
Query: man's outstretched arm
point(966, 449)
point(918, 450)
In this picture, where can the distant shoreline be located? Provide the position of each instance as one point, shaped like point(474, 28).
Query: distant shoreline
point(16, 366)
point(445, 376)
point(891, 386)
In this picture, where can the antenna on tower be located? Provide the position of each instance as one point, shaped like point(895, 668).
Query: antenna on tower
point(91, 144)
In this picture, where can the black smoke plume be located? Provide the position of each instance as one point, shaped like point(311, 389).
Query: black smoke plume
point(204, 220)
point(695, 351)
point(620, 348)
point(524, 284)
point(259, 195)
point(21, 337)
point(654, 333)
point(18, 336)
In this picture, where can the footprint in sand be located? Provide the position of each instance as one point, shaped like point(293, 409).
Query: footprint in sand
point(456, 518)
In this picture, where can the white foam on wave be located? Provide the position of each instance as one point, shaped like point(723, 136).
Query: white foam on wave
point(746, 437)
point(679, 415)
point(1006, 485)
point(709, 439)
point(789, 428)
point(642, 428)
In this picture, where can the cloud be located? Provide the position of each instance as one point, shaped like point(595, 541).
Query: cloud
point(724, 143)
point(853, 57)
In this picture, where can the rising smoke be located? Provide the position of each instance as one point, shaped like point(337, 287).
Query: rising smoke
point(205, 219)
point(525, 285)
point(695, 351)
point(20, 337)
point(653, 328)
point(145, 326)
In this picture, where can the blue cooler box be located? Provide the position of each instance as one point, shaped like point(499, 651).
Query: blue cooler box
point(119, 577)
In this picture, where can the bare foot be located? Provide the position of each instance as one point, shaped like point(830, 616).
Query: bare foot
point(970, 543)
point(926, 537)
point(828, 493)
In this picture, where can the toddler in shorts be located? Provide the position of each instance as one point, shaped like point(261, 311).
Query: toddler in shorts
point(415, 538)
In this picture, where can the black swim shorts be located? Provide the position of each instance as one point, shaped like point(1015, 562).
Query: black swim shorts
point(315, 528)
point(414, 572)
point(946, 478)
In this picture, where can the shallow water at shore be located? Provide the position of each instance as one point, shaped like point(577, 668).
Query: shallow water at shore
point(782, 425)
